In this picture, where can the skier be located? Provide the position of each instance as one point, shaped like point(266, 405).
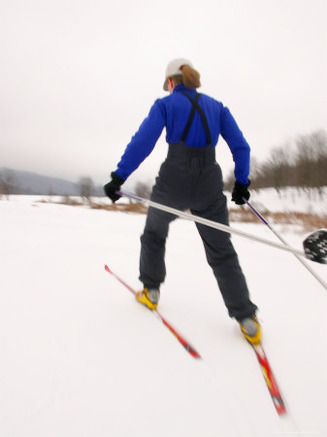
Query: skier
point(190, 178)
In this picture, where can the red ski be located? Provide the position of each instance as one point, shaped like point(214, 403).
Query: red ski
point(190, 349)
point(270, 379)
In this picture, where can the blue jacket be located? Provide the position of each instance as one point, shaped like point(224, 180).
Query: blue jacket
point(172, 112)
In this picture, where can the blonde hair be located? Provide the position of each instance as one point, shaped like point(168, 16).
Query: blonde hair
point(190, 77)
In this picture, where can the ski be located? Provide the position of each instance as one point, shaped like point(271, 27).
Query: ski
point(270, 379)
point(187, 346)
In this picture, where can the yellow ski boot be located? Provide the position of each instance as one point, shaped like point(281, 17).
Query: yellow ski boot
point(148, 297)
point(251, 330)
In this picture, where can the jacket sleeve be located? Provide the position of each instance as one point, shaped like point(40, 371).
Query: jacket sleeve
point(142, 143)
point(237, 144)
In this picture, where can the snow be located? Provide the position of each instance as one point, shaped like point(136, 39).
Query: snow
point(291, 200)
point(78, 356)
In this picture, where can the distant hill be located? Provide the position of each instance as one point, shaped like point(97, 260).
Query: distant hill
point(24, 182)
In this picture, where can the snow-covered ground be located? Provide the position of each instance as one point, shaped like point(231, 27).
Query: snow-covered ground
point(78, 356)
point(291, 200)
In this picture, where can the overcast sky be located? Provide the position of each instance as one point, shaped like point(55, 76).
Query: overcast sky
point(78, 77)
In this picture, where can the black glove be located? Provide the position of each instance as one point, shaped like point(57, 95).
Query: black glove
point(114, 185)
point(240, 192)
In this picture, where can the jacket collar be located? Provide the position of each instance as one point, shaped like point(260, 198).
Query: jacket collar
point(182, 88)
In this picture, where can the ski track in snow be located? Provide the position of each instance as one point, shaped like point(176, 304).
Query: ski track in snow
point(78, 356)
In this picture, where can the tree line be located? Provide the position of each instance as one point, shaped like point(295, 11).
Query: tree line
point(301, 164)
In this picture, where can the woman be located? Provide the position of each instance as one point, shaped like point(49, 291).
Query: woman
point(190, 178)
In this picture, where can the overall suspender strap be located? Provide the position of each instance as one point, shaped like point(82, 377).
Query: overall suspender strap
point(196, 107)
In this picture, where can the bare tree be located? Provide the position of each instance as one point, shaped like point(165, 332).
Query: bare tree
point(311, 160)
point(319, 145)
point(303, 166)
point(86, 188)
point(279, 167)
point(143, 189)
point(7, 182)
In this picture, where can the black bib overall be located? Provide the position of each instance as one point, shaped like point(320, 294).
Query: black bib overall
point(190, 178)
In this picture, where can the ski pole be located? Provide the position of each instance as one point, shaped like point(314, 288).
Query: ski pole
point(302, 261)
point(316, 252)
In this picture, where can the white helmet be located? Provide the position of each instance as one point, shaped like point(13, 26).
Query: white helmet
point(174, 68)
